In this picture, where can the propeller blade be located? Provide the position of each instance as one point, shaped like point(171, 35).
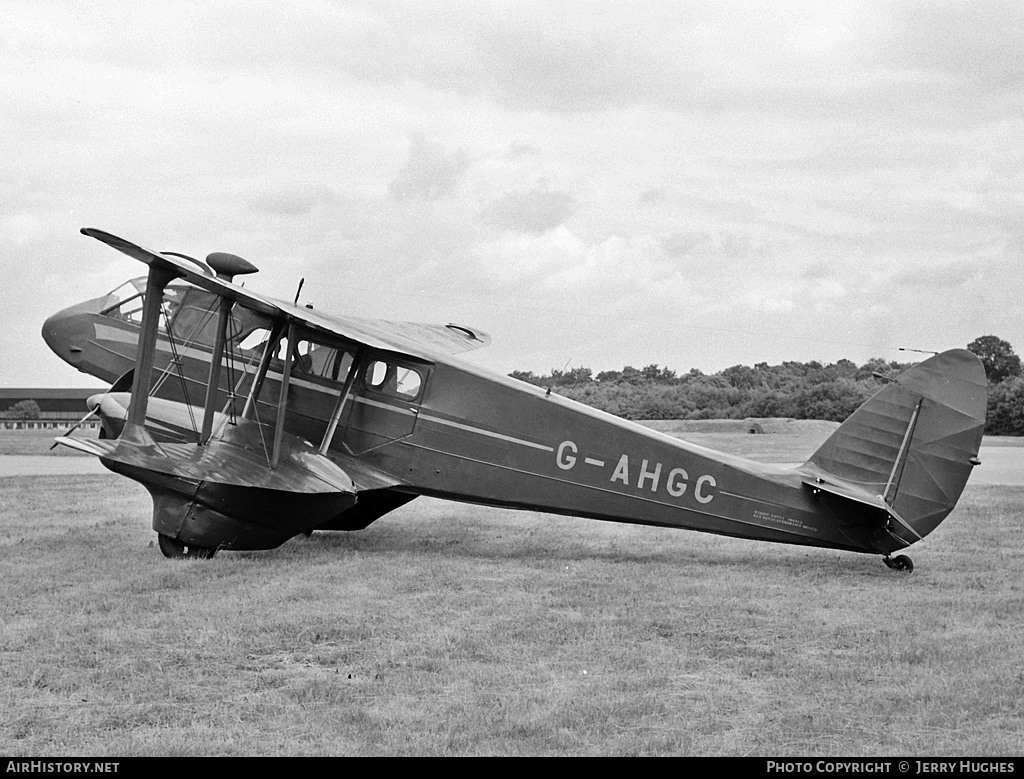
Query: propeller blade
point(123, 384)
point(77, 425)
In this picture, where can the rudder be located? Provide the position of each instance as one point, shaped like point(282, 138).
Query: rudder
point(914, 442)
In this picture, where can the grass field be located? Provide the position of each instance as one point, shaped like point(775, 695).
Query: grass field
point(37, 442)
point(446, 629)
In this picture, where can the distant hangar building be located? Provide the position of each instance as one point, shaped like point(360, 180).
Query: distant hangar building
point(58, 408)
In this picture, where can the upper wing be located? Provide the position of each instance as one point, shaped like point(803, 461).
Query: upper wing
point(426, 341)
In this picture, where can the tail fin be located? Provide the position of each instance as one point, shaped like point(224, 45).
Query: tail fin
point(911, 447)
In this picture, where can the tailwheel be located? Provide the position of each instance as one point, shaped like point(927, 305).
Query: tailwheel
point(899, 563)
point(178, 550)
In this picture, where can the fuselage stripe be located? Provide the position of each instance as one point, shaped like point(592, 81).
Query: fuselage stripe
point(606, 491)
point(480, 431)
point(385, 406)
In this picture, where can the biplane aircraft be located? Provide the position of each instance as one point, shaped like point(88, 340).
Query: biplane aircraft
point(252, 420)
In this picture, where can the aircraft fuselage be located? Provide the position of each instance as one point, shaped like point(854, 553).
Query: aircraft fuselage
point(454, 431)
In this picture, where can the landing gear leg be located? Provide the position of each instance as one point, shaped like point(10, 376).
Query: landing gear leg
point(899, 563)
point(177, 550)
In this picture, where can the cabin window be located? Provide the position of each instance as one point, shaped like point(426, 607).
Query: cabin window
point(318, 360)
point(309, 358)
point(396, 380)
point(376, 375)
point(408, 382)
point(199, 326)
point(333, 364)
point(255, 340)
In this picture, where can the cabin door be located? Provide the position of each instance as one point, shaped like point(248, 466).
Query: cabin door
point(384, 404)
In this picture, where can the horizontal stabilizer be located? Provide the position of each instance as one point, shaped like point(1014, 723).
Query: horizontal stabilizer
point(847, 492)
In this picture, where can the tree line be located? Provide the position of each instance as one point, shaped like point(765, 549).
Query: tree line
point(800, 390)
point(23, 409)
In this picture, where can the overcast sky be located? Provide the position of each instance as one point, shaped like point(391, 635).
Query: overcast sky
point(692, 184)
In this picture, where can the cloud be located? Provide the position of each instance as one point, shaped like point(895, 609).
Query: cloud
point(535, 212)
point(653, 195)
point(517, 151)
point(295, 201)
point(430, 173)
point(794, 168)
point(684, 244)
point(976, 45)
point(726, 247)
point(938, 276)
point(21, 229)
point(525, 261)
point(819, 271)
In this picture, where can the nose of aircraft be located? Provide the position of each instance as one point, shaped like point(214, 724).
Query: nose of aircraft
point(68, 332)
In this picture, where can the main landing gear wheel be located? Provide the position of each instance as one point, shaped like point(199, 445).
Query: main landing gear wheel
point(177, 550)
point(899, 563)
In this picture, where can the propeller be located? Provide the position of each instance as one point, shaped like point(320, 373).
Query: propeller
point(123, 384)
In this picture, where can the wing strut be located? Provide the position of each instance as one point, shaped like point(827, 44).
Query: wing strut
point(282, 400)
point(354, 369)
point(152, 304)
point(213, 381)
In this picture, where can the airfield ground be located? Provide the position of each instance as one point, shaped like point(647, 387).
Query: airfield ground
point(446, 629)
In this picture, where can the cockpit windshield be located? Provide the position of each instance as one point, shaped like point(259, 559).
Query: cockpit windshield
point(125, 302)
point(188, 313)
